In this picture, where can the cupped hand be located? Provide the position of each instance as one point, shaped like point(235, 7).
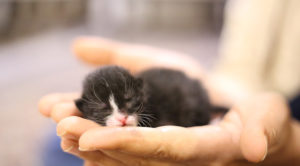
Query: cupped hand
point(257, 130)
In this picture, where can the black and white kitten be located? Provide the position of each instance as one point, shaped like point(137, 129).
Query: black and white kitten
point(113, 97)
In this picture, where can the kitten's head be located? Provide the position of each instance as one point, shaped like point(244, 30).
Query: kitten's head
point(111, 97)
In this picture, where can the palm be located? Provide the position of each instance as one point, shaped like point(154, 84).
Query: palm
point(241, 136)
point(247, 132)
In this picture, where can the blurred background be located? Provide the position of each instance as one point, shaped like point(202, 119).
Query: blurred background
point(36, 58)
point(258, 51)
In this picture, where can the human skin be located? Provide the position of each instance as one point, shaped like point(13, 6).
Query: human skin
point(256, 131)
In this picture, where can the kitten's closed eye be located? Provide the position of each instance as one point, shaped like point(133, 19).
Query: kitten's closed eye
point(102, 106)
point(127, 99)
point(128, 95)
point(136, 105)
point(90, 104)
point(113, 104)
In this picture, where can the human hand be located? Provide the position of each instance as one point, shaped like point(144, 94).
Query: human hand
point(136, 57)
point(239, 137)
point(250, 131)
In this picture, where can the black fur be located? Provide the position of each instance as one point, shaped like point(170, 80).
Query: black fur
point(166, 96)
point(100, 84)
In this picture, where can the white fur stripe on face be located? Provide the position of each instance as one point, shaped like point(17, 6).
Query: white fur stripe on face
point(113, 104)
point(112, 120)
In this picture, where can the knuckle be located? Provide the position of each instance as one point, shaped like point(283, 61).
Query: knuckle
point(161, 152)
point(166, 152)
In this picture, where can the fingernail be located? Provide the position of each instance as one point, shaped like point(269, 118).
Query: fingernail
point(83, 149)
point(61, 133)
point(68, 149)
point(264, 157)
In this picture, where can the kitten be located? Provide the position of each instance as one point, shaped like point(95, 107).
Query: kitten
point(113, 97)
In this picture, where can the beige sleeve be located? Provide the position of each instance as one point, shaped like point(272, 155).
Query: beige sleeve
point(260, 48)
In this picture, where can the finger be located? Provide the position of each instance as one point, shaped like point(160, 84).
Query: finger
point(47, 102)
point(137, 160)
point(70, 146)
point(141, 161)
point(95, 50)
point(100, 51)
point(63, 110)
point(254, 144)
point(179, 144)
point(264, 118)
point(73, 127)
point(89, 163)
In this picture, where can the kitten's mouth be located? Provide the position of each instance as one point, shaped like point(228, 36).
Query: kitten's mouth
point(121, 120)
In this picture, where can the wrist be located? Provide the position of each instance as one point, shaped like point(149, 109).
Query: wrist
point(290, 151)
point(294, 147)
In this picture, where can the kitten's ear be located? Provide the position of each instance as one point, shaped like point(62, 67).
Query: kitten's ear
point(79, 104)
point(139, 82)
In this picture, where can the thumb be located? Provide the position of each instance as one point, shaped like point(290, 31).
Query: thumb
point(265, 122)
point(254, 143)
point(168, 142)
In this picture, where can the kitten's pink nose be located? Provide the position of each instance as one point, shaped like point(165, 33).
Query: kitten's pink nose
point(123, 119)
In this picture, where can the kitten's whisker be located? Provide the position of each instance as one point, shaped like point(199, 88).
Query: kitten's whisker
point(131, 84)
point(88, 101)
point(96, 94)
point(144, 123)
point(95, 119)
point(148, 119)
point(138, 111)
point(148, 115)
point(140, 108)
point(91, 101)
point(106, 83)
point(124, 79)
point(148, 123)
point(141, 124)
point(93, 107)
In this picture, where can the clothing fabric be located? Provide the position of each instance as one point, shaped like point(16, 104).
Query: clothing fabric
point(260, 48)
point(295, 107)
